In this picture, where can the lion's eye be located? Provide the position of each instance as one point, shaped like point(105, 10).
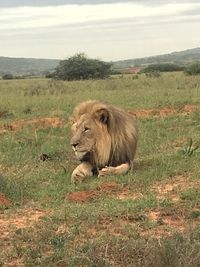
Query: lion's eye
point(86, 129)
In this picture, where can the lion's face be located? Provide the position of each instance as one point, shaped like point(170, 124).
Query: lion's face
point(85, 132)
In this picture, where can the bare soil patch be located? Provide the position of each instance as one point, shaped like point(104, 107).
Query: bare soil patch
point(9, 223)
point(163, 112)
point(126, 194)
point(88, 195)
point(115, 190)
point(173, 186)
point(35, 123)
point(15, 263)
point(4, 201)
point(21, 219)
point(58, 122)
point(152, 224)
point(81, 196)
point(176, 222)
point(165, 225)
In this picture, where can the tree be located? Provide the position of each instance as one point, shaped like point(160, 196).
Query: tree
point(193, 69)
point(79, 67)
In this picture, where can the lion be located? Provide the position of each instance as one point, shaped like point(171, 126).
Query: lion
point(104, 139)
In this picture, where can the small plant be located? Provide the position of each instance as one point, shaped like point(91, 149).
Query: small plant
point(27, 110)
point(135, 77)
point(4, 113)
point(190, 148)
point(58, 241)
point(195, 214)
point(153, 74)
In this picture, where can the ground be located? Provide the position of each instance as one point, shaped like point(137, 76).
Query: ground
point(149, 217)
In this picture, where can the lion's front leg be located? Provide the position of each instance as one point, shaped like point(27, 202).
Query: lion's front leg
point(119, 170)
point(81, 171)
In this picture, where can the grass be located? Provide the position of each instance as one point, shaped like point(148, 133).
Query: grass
point(42, 97)
point(130, 224)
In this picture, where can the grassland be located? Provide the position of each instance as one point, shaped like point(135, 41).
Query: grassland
point(149, 217)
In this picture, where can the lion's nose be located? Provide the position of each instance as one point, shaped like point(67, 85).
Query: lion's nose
point(74, 142)
point(74, 145)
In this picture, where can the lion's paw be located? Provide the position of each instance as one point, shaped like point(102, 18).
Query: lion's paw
point(83, 170)
point(77, 176)
point(107, 171)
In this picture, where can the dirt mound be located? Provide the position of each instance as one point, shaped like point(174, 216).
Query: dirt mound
point(85, 196)
point(115, 190)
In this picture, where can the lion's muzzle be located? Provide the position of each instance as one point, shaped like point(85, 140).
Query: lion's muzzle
point(74, 142)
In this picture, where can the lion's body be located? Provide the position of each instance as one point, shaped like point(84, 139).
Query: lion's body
point(103, 136)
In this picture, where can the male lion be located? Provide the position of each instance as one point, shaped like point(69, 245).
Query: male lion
point(104, 139)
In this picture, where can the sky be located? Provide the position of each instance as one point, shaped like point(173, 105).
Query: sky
point(107, 30)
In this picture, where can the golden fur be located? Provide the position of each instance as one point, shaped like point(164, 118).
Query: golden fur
point(102, 135)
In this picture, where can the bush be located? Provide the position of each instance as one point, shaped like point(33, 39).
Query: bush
point(193, 69)
point(49, 75)
point(153, 74)
point(79, 67)
point(162, 68)
point(7, 76)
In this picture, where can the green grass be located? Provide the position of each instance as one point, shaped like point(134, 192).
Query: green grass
point(106, 230)
point(42, 97)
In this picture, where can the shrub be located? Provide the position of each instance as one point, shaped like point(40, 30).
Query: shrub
point(193, 69)
point(163, 68)
point(7, 76)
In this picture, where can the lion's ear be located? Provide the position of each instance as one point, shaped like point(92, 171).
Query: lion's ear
point(102, 115)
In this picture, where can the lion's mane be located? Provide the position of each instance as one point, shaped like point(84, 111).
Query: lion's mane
point(117, 134)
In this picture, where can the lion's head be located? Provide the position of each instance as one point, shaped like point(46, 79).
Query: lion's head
point(103, 135)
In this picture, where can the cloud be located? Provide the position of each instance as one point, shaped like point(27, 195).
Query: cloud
point(114, 30)
point(41, 17)
point(17, 3)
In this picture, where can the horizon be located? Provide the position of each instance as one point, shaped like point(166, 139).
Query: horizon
point(105, 60)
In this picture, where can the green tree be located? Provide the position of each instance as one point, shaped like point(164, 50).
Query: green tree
point(79, 67)
point(193, 69)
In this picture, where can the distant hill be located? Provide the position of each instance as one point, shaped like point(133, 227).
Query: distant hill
point(31, 66)
point(26, 66)
point(181, 58)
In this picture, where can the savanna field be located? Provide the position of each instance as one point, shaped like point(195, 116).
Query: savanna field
point(149, 217)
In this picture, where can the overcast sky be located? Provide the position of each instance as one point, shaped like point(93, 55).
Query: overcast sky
point(108, 30)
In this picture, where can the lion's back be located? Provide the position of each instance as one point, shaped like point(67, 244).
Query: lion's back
point(124, 137)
